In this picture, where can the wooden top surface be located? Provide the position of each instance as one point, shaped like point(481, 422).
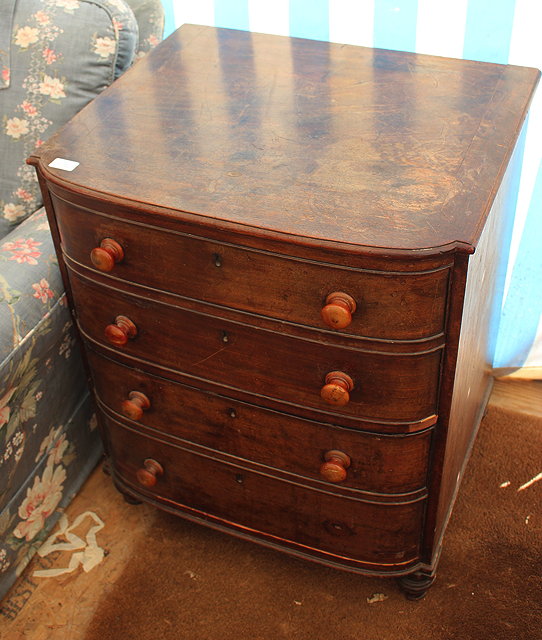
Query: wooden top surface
point(346, 144)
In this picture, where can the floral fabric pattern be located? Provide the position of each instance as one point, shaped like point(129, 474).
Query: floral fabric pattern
point(150, 18)
point(30, 282)
point(32, 398)
point(26, 521)
point(55, 56)
point(40, 502)
point(48, 438)
point(8, 9)
point(45, 86)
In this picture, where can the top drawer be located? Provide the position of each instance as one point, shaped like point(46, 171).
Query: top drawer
point(389, 306)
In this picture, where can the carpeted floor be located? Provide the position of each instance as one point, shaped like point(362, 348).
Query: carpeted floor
point(185, 581)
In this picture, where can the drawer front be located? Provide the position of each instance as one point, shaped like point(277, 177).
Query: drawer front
point(263, 363)
point(378, 463)
point(292, 513)
point(397, 306)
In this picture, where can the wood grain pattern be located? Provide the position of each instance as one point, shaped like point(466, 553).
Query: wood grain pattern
point(380, 463)
point(363, 531)
point(520, 396)
point(387, 386)
point(299, 132)
point(472, 377)
point(272, 173)
point(259, 281)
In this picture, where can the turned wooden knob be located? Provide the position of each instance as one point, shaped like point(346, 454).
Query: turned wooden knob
point(337, 389)
point(335, 466)
point(338, 311)
point(107, 254)
point(135, 405)
point(149, 473)
point(119, 333)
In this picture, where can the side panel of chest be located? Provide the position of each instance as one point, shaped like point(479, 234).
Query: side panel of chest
point(468, 359)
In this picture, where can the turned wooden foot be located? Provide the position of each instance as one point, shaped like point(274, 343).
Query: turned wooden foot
point(415, 585)
point(128, 497)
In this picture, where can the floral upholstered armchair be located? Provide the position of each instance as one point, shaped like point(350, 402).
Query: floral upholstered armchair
point(55, 56)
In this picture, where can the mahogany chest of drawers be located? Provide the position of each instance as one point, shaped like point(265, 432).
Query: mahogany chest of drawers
point(282, 257)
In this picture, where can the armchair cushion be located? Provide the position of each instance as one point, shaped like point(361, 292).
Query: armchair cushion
point(51, 76)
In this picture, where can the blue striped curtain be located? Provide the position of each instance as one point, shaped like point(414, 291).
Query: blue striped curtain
point(506, 31)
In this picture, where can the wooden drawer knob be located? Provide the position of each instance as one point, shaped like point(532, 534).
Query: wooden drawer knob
point(149, 473)
point(335, 466)
point(337, 389)
point(107, 254)
point(338, 311)
point(135, 405)
point(119, 333)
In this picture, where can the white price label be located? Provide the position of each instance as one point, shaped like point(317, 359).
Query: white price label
point(65, 165)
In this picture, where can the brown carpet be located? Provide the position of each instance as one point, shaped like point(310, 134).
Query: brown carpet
point(186, 581)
